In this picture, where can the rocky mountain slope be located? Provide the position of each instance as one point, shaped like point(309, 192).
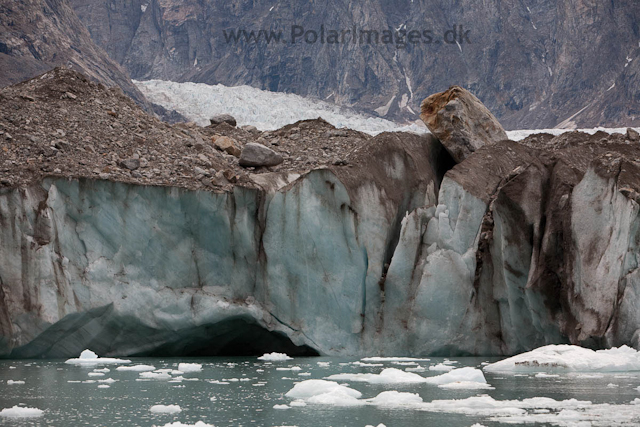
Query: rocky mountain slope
point(538, 65)
point(133, 237)
point(37, 35)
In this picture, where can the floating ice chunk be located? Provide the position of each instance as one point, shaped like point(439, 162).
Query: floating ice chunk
point(300, 402)
point(336, 397)
point(393, 359)
point(466, 385)
point(155, 375)
point(88, 354)
point(89, 358)
point(281, 407)
point(590, 376)
point(324, 364)
point(103, 370)
point(95, 374)
point(544, 375)
point(441, 367)
point(165, 409)
point(570, 358)
point(358, 363)
point(274, 357)
point(387, 376)
point(293, 368)
point(458, 375)
point(310, 388)
point(395, 398)
point(189, 367)
point(487, 406)
point(379, 425)
point(179, 424)
point(21, 412)
point(107, 381)
point(103, 386)
point(478, 425)
point(17, 382)
point(136, 368)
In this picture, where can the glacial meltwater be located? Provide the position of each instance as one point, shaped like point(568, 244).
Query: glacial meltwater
point(246, 391)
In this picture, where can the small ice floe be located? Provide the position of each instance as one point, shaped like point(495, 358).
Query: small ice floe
point(103, 386)
point(387, 376)
point(281, 407)
point(189, 367)
point(358, 363)
point(545, 375)
point(89, 358)
point(325, 393)
point(416, 369)
point(324, 364)
point(96, 374)
point(21, 412)
point(136, 368)
point(395, 399)
point(103, 370)
point(300, 403)
point(570, 358)
point(16, 382)
point(274, 357)
point(217, 382)
point(379, 425)
point(461, 378)
point(612, 385)
point(441, 367)
point(393, 359)
point(292, 368)
point(590, 376)
point(155, 375)
point(165, 409)
point(107, 381)
point(179, 424)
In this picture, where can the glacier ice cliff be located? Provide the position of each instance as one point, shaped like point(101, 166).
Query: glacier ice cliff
point(518, 246)
point(292, 263)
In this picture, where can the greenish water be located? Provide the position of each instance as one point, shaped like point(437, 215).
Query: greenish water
point(254, 387)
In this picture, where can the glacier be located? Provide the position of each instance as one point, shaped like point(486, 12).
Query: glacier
point(272, 110)
point(404, 255)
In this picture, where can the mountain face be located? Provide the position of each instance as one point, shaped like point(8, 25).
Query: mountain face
point(37, 35)
point(569, 63)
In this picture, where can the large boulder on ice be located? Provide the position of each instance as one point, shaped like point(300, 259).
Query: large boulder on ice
point(223, 118)
point(254, 154)
point(460, 121)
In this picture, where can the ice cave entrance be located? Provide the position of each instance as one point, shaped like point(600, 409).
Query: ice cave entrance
point(232, 337)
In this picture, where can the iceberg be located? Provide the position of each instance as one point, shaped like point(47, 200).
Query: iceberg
point(569, 358)
point(165, 409)
point(89, 358)
point(21, 412)
point(387, 376)
point(327, 390)
point(189, 367)
point(274, 357)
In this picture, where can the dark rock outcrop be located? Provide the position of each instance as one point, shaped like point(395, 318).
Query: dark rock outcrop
point(37, 35)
